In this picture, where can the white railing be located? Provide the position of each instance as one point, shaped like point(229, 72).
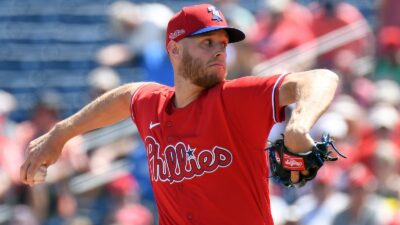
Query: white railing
point(321, 45)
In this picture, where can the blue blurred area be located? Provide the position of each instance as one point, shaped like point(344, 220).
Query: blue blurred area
point(49, 44)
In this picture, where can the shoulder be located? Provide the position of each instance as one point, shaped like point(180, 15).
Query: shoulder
point(254, 83)
point(147, 96)
point(150, 88)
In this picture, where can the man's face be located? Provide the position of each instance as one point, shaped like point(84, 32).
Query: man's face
point(204, 58)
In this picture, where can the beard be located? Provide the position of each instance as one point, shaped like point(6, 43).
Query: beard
point(195, 71)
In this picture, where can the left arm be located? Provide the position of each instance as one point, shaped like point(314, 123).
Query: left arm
point(312, 91)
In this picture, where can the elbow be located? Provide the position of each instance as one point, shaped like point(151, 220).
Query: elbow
point(328, 76)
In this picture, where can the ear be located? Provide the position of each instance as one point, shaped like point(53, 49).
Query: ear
point(174, 49)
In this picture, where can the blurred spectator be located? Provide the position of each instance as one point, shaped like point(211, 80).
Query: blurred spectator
point(62, 205)
point(388, 62)
point(387, 92)
point(142, 27)
point(10, 158)
point(352, 59)
point(45, 113)
point(279, 29)
point(383, 119)
point(79, 220)
point(241, 59)
point(395, 220)
point(324, 202)
point(331, 15)
point(279, 206)
point(101, 80)
point(361, 88)
point(140, 171)
point(236, 15)
point(95, 203)
point(386, 168)
point(241, 56)
point(134, 214)
point(105, 154)
point(332, 123)
point(7, 104)
point(23, 215)
point(388, 14)
point(279, 209)
point(353, 114)
point(364, 206)
point(347, 136)
point(9, 152)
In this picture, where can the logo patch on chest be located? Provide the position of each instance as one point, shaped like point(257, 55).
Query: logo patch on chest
point(181, 162)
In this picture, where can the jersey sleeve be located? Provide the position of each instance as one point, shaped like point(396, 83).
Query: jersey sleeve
point(142, 93)
point(252, 103)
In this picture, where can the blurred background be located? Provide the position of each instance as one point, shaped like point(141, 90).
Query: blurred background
point(56, 56)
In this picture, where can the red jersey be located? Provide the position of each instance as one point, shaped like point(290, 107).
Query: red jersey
point(206, 160)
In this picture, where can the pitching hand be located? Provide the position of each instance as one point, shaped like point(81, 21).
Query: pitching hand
point(41, 153)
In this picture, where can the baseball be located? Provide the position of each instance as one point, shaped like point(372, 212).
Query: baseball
point(40, 174)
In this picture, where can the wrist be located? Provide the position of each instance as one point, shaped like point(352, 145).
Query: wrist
point(296, 128)
point(62, 131)
point(297, 139)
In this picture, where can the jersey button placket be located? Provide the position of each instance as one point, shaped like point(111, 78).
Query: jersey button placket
point(169, 138)
point(169, 124)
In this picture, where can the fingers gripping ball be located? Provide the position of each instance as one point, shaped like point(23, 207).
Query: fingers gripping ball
point(282, 161)
point(40, 175)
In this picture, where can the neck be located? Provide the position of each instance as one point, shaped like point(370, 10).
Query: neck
point(185, 92)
